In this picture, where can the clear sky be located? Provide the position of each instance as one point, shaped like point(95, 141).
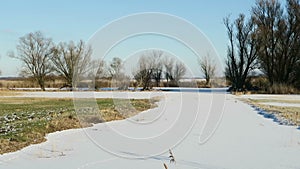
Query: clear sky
point(65, 20)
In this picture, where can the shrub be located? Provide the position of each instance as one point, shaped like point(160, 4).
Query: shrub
point(280, 88)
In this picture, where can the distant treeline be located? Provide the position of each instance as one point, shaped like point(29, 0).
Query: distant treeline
point(58, 83)
point(70, 65)
point(43, 59)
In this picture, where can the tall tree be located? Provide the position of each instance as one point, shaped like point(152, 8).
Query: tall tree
point(280, 34)
point(35, 51)
point(242, 54)
point(268, 16)
point(292, 41)
point(72, 60)
point(208, 68)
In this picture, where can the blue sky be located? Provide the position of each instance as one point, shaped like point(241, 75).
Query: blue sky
point(65, 20)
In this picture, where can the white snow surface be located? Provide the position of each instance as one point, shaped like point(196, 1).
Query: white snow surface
point(243, 139)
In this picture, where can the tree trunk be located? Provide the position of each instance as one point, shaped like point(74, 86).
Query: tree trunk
point(41, 82)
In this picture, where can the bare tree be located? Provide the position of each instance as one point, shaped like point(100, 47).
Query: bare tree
point(293, 41)
point(115, 66)
point(174, 71)
point(178, 72)
point(168, 65)
point(99, 67)
point(116, 70)
point(242, 53)
point(97, 71)
point(149, 68)
point(268, 15)
point(208, 68)
point(35, 51)
point(144, 73)
point(155, 57)
point(72, 60)
point(280, 34)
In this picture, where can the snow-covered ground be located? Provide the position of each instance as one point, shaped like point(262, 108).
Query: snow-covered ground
point(243, 139)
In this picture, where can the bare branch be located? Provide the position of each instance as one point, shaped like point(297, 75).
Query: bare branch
point(72, 61)
point(35, 50)
point(208, 68)
point(149, 67)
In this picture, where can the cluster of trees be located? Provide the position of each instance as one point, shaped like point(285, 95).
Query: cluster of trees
point(154, 65)
point(268, 41)
point(42, 57)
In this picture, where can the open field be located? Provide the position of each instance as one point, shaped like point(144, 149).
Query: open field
point(25, 121)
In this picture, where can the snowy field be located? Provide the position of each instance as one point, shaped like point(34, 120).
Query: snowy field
point(182, 122)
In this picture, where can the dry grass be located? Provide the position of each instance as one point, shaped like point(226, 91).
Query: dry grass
point(8, 93)
point(275, 100)
point(292, 114)
point(282, 89)
point(51, 82)
point(25, 121)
